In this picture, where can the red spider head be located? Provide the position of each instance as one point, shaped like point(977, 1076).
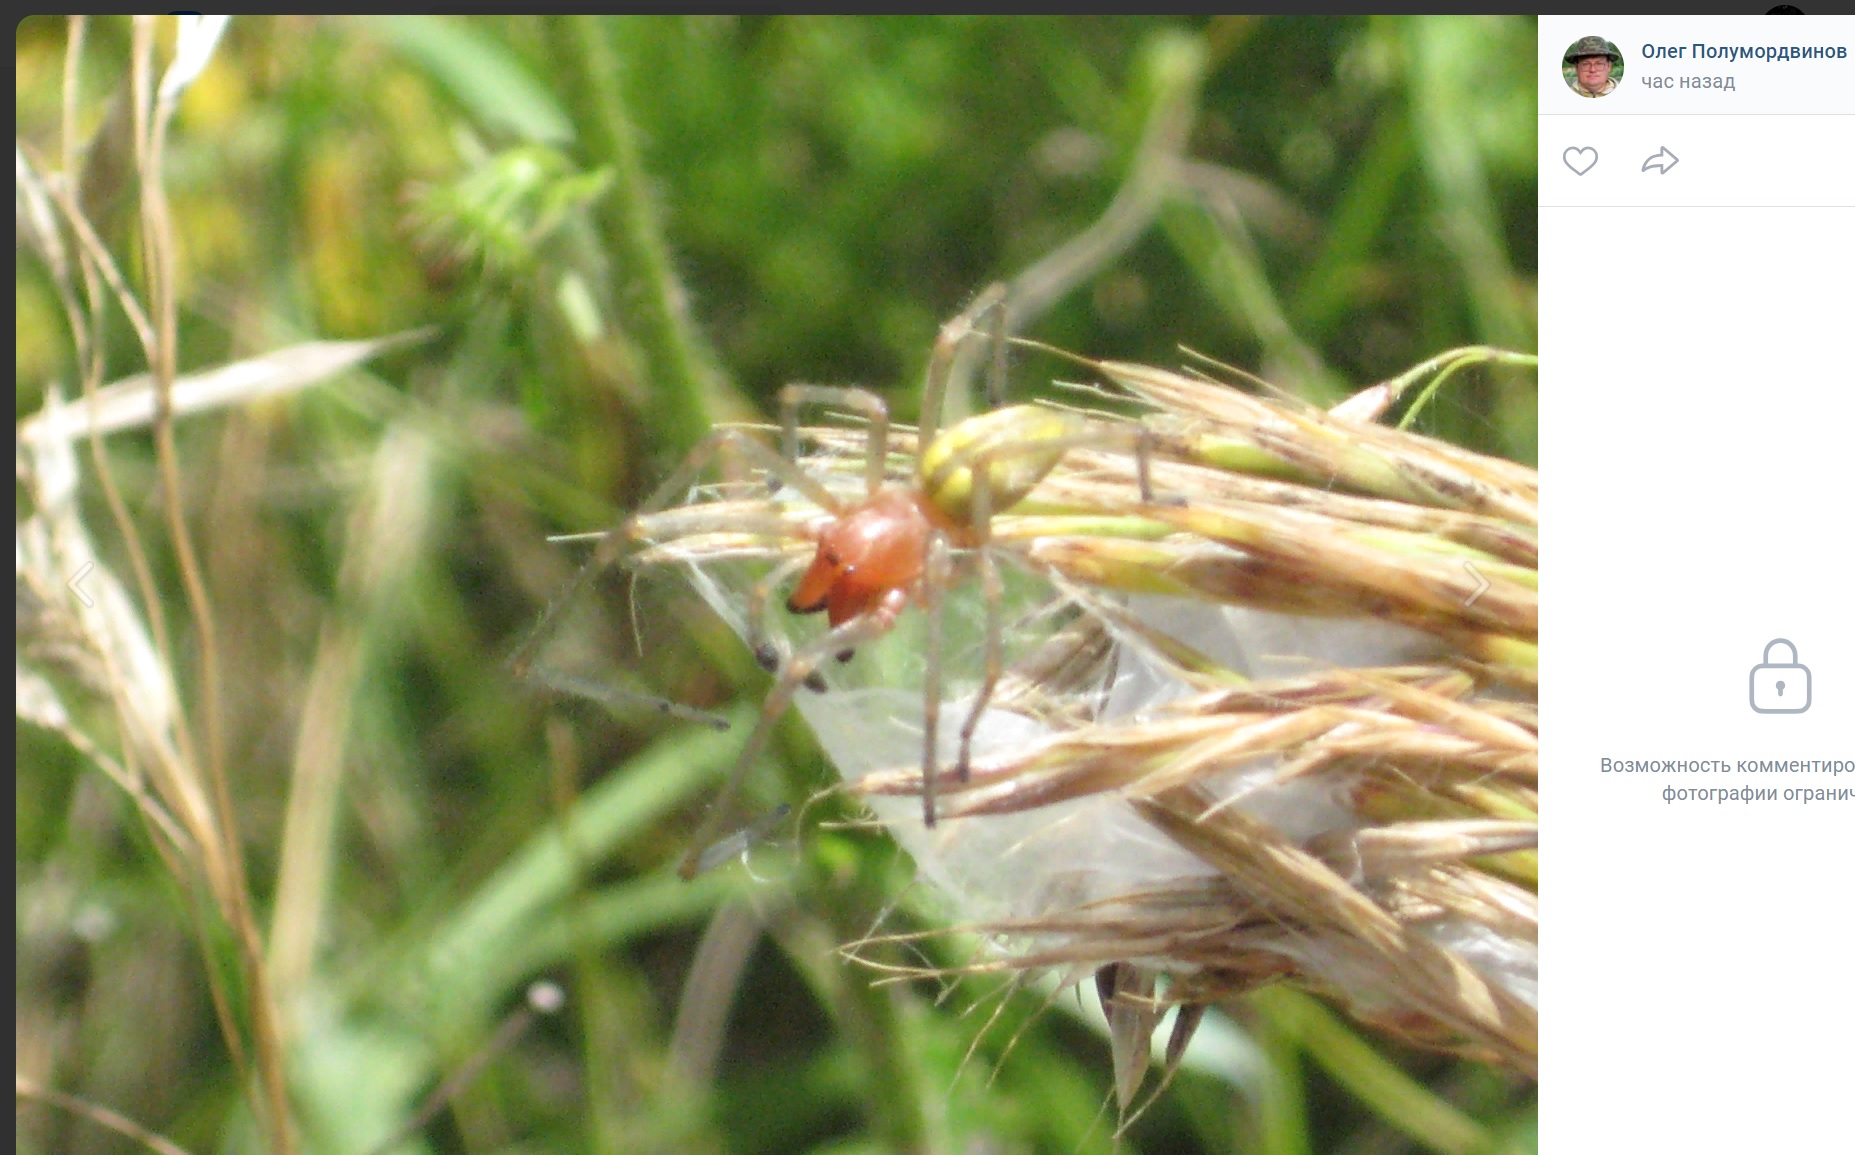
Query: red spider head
point(871, 550)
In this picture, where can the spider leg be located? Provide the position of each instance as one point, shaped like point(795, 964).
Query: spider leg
point(856, 632)
point(876, 461)
point(1135, 438)
point(617, 696)
point(988, 461)
point(1000, 339)
point(758, 639)
point(785, 469)
point(994, 596)
point(947, 349)
point(934, 581)
point(1143, 470)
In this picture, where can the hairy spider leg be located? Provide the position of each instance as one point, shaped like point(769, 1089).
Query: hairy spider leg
point(1000, 341)
point(935, 578)
point(876, 456)
point(947, 345)
point(937, 575)
point(994, 598)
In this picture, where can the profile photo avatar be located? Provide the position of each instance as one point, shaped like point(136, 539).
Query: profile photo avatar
point(1593, 67)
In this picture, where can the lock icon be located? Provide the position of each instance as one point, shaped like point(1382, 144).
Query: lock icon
point(1780, 687)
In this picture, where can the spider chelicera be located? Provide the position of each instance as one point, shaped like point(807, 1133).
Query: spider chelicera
point(892, 549)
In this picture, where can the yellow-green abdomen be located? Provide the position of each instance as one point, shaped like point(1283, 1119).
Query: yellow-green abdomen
point(1013, 448)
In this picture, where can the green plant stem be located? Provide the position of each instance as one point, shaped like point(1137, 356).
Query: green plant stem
point(871, 1019)
point(683, 377)
point(1395, 1097)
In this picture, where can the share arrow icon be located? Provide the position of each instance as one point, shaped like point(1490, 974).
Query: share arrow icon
point(1662, 161)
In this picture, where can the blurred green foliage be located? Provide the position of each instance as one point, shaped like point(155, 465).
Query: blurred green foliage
point(626, 230)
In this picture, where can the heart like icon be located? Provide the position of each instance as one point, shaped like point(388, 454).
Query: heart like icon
point(1580, 160)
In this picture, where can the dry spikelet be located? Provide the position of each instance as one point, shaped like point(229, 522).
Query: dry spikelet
point(1279, 724)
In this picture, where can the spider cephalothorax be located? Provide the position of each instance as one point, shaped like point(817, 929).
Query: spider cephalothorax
point(871, 555)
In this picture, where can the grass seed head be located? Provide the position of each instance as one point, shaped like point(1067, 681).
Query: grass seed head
point(1277, 724)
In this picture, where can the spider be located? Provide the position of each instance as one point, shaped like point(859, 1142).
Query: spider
point(894, 548)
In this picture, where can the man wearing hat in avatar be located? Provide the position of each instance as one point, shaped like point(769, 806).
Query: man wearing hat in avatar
point(1592, 58)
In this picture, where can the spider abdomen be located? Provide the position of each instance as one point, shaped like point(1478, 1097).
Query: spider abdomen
point(1013, 449)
